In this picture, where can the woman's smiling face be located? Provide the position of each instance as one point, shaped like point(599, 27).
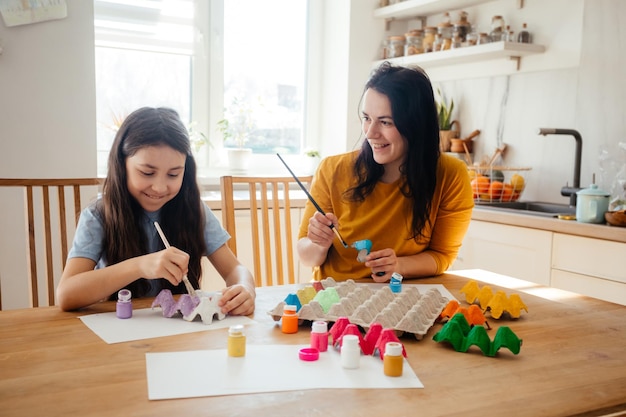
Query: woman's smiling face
point(155, 175)
point(388, 146)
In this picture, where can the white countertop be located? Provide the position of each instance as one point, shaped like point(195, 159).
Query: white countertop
point(572, 227)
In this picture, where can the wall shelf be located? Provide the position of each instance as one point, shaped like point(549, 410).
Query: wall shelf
point(408, 9)
point(469, 54)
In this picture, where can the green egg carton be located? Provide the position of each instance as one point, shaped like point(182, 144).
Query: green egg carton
point(461, 336)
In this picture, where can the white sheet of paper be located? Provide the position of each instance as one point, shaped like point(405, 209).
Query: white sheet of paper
point(267, 368)
point(147, 323)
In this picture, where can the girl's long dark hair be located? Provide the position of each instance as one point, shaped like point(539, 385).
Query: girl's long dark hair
point(415, 115)
point(182, 218)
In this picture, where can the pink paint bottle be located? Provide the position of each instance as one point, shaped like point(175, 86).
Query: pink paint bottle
point(319, 336)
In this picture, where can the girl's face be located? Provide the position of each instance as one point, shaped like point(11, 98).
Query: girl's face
point(388, 145)
point(155, 175)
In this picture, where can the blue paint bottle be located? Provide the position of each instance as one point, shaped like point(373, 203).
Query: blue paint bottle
point(395, 284)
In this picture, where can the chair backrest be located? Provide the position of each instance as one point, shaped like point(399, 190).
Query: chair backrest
point(272, 206)
point(49, 224)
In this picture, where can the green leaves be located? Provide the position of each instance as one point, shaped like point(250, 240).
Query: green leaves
point(444, 111)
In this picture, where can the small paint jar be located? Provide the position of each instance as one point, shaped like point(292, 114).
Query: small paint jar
point(290, 319)
point(236, 341)
point(124, 307)
point(319, 336)
point(395, 283)
point(393, 360)
point(350, 351)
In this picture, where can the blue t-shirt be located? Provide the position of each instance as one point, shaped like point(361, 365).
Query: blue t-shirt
point(89, 236)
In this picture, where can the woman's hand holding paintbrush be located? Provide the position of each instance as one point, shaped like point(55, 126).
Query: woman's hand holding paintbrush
point(321, 222)
point(332, 224)
point(321, 229)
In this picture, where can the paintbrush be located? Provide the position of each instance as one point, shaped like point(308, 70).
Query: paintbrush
point(332, 226)
point(188, 285)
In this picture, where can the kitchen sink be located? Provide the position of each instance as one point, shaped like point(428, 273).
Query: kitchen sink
point(536, 208)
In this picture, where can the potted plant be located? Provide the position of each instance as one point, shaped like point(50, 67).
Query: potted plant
point(444, 115)
point(312, 159)
point(236, 127)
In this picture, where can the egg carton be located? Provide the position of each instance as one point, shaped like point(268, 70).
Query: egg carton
point(497, 304)
point(408, 311)
point(202, 304)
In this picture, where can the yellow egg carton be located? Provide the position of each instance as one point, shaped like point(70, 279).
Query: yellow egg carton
point(497, 303)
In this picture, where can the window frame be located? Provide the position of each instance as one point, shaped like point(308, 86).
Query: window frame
point(207, 80)
point(207, 89)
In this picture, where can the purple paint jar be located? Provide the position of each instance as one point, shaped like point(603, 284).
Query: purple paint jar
point(124, 308)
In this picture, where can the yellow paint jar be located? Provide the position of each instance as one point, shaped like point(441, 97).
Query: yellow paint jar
point(393, 360)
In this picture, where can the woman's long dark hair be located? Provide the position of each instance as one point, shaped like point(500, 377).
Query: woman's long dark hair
point(415, 115)
point(182, 218)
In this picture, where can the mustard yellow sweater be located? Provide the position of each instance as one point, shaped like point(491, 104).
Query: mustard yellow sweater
point(385, 216)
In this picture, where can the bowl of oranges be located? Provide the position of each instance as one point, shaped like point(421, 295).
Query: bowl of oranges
point(497, 184)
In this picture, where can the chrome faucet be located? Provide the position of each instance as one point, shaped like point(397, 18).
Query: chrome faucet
point(567, 190)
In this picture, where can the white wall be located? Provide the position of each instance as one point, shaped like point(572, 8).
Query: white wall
point(47, 122)
point(573, 91)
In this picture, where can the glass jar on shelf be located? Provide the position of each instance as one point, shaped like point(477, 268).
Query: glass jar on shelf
point(438, 44)
point(483, 38)
point(384, 46)
point(395, 48)
point(524, 35)
point(429, 38)
point(497, 29)
point(462, 27)
point(414, 42)
point(472, 38)
point(510, 35)
point(444, 30)
point(457, 42)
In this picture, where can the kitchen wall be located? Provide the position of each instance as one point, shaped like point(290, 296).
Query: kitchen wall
point(47, 123)
point(47, 103)
point(577, 84)
point(589, 98)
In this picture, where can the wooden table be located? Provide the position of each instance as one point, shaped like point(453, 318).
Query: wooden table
point(572, 361)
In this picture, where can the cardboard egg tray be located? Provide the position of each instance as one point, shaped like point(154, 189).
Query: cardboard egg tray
point(408, 311)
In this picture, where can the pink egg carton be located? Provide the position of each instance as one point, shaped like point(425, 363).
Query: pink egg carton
point(408, 311)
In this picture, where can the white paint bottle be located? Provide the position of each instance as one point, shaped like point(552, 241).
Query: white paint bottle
point(350, 351)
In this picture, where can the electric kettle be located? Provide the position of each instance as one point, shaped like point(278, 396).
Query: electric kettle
point(591, 204)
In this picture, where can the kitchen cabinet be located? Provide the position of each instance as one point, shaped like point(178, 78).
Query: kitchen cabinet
point(509, 250)
point(589, 266)
point(592, 266)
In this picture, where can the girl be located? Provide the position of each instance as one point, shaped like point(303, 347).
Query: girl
point(151, 177)
point(397, 190)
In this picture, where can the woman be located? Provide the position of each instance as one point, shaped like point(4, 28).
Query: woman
point(398, 191)
point(151, 178)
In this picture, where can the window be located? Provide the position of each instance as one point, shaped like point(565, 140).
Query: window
point(154, 53)
point(264, 65)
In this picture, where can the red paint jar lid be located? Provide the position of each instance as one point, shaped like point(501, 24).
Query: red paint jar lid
point(309, 354)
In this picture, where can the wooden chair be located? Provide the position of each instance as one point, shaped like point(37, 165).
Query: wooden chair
point(41, 226)
point(274, 222)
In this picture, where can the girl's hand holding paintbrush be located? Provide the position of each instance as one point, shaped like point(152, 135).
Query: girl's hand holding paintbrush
point(170, 263)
